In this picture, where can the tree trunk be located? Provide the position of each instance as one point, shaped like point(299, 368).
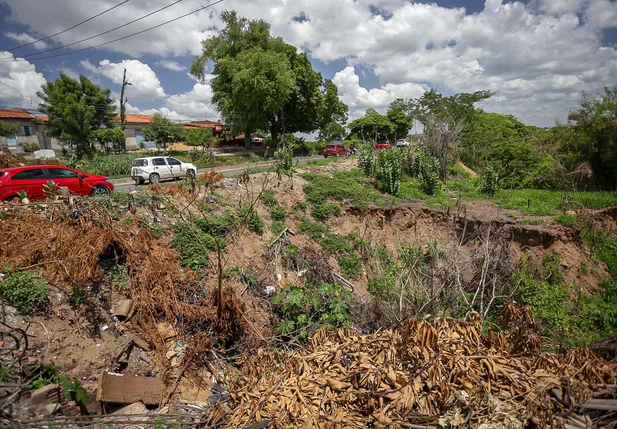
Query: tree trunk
point(247, 138)
point(274, 132)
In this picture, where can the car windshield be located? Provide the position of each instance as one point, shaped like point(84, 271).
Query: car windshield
point(330, 146)
point(140, 163)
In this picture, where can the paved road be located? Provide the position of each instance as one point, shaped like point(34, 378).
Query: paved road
point(128, 185)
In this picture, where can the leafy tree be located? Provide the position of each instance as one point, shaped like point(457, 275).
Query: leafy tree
point(262, 82)
point(163, 131)
point(595, 121)
point(398, 114)
point(372, 125)
point(444, 118)
point(332, 132)
point(112, 139)
point(201, 137)
point(76, 108)
point(8, 129)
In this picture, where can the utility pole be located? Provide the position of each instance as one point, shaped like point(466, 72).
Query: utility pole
point(123, 101)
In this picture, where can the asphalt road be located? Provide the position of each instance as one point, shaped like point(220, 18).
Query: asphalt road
point(128, 185)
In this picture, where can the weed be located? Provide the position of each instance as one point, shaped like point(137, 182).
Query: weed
point(305, 308)
point(277, 227)
point(491, 181)
point(325, 211)
point(351, 265)
point(344, 186)
point(278, 213)
point(566, 220)
point(248, 215)
point(331, 243)
point(25, 291)
point(189, 240)
point(253, 157)
point(390, 171)
point(301, 206)
point(268, 197)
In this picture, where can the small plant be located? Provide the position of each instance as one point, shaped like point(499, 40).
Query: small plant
point(30, 147)
point(491, 181)
point(285, 160)
point(73, 390)
point(367, 160)
point(248, 215)
point(351, 265)
point(50, 189)
point(390, 171)
point(277, 227)
point(305, 308)
point(278, 213)
point(429, 175)
point(253, 157)
point(325, 211)
point(567, 220)
point(268, 197)
point(25, 291)
point(189, 240)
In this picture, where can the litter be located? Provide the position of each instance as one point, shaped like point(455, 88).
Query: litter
point(127, 389)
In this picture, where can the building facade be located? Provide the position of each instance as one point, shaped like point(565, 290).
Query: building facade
point(31, 132)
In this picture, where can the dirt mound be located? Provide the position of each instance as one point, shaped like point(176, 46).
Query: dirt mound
point(444, 371)
point(9, 161)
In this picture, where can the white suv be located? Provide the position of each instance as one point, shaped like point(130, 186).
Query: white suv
point(157, 168)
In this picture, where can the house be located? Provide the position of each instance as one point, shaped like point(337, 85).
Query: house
point(133, 131)
point(217, 127)
point(31, 130)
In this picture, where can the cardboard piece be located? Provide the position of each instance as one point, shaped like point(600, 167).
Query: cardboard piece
point(126, 389)
point(125, 310)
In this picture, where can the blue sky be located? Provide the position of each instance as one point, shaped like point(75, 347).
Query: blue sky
point(540, 55)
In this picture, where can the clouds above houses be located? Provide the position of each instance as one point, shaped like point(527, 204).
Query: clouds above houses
point(539, 55)
point(19, 82)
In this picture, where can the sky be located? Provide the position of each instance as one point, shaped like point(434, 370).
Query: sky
point(538, 55)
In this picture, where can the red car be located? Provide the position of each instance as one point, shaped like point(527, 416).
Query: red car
point(32, 179)
point(382, 145)
point(335, 149)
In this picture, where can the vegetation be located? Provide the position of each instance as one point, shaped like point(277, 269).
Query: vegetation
point(25, 291)
point(111, 139)
point(258, 78)
point(351, 265)
point(76, 109)
point(8, 129)
point(162, 131)
point(347, 187)
point(249, 216)
point(201, 137)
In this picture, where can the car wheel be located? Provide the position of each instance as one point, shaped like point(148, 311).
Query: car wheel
point(191, 174)
point(325, 156)
point(154, 178)
point(100, 190)
point(139, 181)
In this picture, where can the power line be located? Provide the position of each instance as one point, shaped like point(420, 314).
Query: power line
point(122, 38)
point(69, 29)
point(103, 33)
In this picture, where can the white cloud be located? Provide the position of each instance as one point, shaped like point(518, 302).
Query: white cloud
point(145, 85)
point(24, 38)
point(169, 114)
point(171, 65)
point(19, 82)
point(359, 99)
point(196, 103)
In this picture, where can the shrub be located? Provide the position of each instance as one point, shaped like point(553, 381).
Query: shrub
point(351, 265)
point(253, 157)
point(278, 213)
point(268, 197)
point(277, 227)
point(429, 175)
point(325, 211)
point(249, 216)
point(366, 157)
point(30, 147)
point(219, 225)
point(343, 186)
point(491, 181)
point(189, 240)
point(390, 171)
point(25, 291)
point(305, 308)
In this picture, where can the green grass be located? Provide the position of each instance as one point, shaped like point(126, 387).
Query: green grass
point(347, 187)
point(411, 189)
point(566, 220)
point(545, 203)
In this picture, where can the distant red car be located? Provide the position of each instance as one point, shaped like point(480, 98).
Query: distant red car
point(33, 178)
point(382, 145)
point(334, 150)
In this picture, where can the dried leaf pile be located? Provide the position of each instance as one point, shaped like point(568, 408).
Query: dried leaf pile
point(427, 372)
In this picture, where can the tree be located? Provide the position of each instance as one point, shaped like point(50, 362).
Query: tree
point(332, 132)
point(595, 121)
point(444, 118)
point(372, 126)
point(111, 138)
point(163, 131)
point(398, 114)
point(76, 108)
point(201, 137)
point(8, 129)
point(262, 82)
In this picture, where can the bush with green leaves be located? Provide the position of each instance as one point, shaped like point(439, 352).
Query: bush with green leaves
point(25, 291)
point(248, 215)
point(268, 197)
point(351, 265)
point(491, 181)
point(366, 156)
point(277, 227)
point(418, 163)
point(325, 211)
point(284, 157)
point(278, 213)
point(189, 240)
point(390, 171)
point(330, 242)
point(347, 187)
point(304, 309)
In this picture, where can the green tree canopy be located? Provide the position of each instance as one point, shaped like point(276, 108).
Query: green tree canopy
point(262, 82)
point(332, 132)
point(201, 137)
point(398, 114)
point(8, 129)
point(76, 108)
point(162, 131)
point(595, 123)
point(372, 125)
point(111, 139)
